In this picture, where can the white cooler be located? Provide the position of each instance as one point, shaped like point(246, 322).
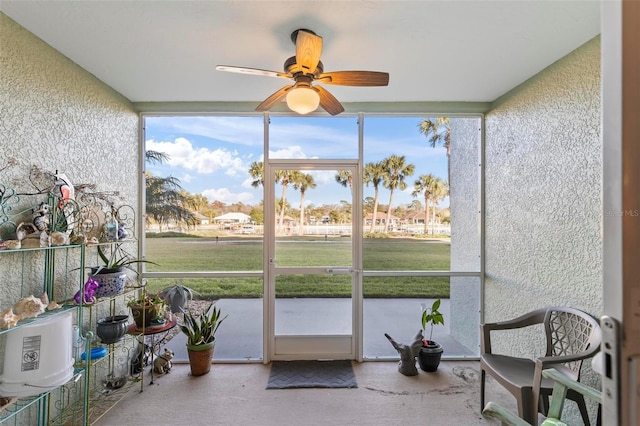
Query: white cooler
point(38, 357)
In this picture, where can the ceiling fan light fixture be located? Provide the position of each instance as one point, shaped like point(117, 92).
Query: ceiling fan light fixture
point(303, 100)
point(305, 68)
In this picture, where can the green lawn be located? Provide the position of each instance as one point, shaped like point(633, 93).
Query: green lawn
point(245, 254)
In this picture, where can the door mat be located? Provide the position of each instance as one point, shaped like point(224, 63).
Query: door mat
point(311, 374)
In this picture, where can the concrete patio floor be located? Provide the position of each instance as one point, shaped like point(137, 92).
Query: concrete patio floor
point(235, 394)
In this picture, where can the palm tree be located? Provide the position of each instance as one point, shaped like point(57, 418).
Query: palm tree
point(284, 178)
point(425, 185)
point(438, 131)
point(395, 171)
point(195, 202)
point(165, 199)
point(303, 181)
point(374, 175)
point(344, 178)
point(155, 157)
point(440, 191)
point(256, 171)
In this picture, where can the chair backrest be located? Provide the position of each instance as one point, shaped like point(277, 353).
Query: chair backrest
point(570, 331)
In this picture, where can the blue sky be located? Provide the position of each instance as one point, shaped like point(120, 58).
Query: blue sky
point(211, 154)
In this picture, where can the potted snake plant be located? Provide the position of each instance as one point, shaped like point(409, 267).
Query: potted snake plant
point(200, 330)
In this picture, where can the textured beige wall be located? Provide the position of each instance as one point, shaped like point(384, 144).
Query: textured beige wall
point(57, 116)
point(543, 195)
point(543, 191)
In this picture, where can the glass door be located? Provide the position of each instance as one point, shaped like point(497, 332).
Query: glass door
point(313, 259)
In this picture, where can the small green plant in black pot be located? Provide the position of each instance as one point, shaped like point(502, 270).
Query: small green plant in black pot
point(431, 351)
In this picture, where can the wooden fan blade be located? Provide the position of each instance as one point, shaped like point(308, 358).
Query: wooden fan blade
point(308, 50)
point(328, 102)
point(268, 103)
point(251, 71)
point(355, 78)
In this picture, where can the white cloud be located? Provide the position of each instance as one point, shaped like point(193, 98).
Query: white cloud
point(289, 152)
point(228, 197)
point(323, 177)
point(202, 160)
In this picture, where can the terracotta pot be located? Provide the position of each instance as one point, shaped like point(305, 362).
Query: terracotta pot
point(143, 315)
point(200, 358)
point(429, 356)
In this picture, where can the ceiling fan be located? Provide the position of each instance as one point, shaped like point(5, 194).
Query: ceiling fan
point(306, 68)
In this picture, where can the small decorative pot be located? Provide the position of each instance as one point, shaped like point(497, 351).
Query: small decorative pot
point(429, 356)
point(111, 282)
point(112, 329)
point(142, 315)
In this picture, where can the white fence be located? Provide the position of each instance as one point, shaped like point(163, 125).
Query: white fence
point(317, 229)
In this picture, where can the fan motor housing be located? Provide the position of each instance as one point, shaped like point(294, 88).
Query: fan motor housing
point(294, 35)
point(290, 65)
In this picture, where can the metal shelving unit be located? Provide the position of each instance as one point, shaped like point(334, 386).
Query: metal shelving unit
point(59, 271)
point(39, 409)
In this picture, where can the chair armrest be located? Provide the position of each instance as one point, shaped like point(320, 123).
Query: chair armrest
point(498, 412)
point(530, 318)
point(565, 381)
point(545, 361)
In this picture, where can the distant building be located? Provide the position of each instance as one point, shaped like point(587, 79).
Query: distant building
point(381, 218)
point(232, 220)
point(418, 217)
point(202, 219)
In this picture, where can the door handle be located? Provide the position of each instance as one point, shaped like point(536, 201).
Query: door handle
point(339, 271)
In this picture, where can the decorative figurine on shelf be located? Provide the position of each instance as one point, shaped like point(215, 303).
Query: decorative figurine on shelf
point(66, 192)
point(8, 319)
point(140, 359)
point(41, 217)
point(66, 189)
point(90, 288)
point(10, 244)
point(50, 305)
point(162, 364)
point(29, 307)
point(122, 231)
point(111, 227)
point(408, 353)
point(58, 239)
point(77, 237)
point(28, 236)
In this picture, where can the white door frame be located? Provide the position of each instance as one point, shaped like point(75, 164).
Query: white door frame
point(312, 346)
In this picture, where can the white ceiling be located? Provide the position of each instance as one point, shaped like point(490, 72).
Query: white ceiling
point(434, 50)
